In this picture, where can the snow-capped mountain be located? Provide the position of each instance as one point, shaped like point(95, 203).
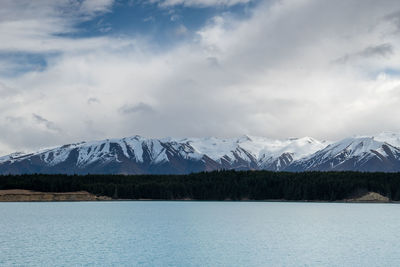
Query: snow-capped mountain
point(360, 153)
point(168, 155)
point(139, 155)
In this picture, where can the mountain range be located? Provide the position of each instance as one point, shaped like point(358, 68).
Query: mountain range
point(139, 155)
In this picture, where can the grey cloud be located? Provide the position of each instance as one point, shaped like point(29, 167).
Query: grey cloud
point(91, 128)
point(383, 50)
point(49, 124)
point(93, 100)
point(19, 134)
point(15, 119)
point(6, 91)
point(136, 108)
point(213, 61)
point(394, 17)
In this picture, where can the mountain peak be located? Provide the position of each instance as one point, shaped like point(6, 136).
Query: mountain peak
point(358, 153)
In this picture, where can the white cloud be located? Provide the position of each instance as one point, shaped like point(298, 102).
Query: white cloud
point(273, 74)
point(200, 3)
point(38, 26)
point(91, 7)
point(181, 30)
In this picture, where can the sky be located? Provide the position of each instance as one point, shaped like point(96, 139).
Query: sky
point(74, 70)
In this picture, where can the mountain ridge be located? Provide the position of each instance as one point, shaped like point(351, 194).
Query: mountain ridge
point(140, 155)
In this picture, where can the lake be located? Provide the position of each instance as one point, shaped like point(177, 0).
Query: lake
point(167, 233)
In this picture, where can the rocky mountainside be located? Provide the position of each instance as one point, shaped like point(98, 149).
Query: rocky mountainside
point(362, 153)
point(134, 155)
point(139, 155)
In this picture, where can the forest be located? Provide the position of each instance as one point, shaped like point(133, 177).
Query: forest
point(217, 185)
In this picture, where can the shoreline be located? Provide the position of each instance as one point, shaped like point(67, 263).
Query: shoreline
point(22, 195)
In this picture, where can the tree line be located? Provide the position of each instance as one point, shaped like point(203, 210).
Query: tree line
point(217, 185)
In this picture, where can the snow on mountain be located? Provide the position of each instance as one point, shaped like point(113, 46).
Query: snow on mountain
point(389, 137)
point(251, 148)
point(11, 156)
point(107, 150)
point(361, 153)
point(137, 154)
point(143, 155)
point(277, 154)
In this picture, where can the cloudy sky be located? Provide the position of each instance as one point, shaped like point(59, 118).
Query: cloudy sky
point(73, 70)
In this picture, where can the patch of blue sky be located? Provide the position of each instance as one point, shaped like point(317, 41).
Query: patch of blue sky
point(16, 63)
point(392, 71)
point(376, 73)
point(162, 25)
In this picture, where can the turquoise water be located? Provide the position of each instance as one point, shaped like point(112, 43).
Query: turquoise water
point(199, 234)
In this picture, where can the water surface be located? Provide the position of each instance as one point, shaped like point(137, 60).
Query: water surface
point(199, 234)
